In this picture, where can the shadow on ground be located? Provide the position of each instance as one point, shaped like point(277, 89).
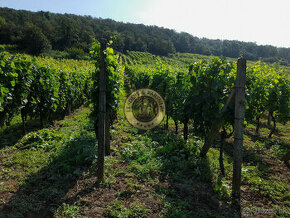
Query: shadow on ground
point(11, 134)
point(43, 192)
point(186, 180)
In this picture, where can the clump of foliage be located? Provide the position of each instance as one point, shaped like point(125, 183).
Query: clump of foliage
point(42, 139)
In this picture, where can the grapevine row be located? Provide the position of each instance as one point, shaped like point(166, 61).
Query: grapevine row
point(39, 88)
point(199, 94)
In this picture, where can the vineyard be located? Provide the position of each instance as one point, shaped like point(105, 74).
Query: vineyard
point(50, 117)
point(42, 88)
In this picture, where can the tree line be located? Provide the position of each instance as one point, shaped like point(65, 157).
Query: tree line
point(68, 35)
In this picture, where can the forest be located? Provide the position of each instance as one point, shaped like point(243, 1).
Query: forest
point(68, 35)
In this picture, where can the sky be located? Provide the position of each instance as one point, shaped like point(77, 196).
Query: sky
point(266, 22)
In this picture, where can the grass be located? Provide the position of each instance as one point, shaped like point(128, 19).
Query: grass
point(66, 210)
point(135, 209)
point(264, 174)
point(50, 172)
point(42, 165)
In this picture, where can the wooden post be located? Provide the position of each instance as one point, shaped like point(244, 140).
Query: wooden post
point(102, 115)
point(108, 138)
point(239, 131)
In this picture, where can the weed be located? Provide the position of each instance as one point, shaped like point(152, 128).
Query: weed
point(42, 139)
point(3, 187)
point(274, 188)
point(178, 209)
point(222, 189)
point(118, 210)
point(108, 181)
point(66, 210)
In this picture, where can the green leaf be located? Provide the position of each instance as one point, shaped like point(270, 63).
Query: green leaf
point(12, 83)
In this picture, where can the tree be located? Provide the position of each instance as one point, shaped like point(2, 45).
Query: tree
point(64, 31)
point(34, 41)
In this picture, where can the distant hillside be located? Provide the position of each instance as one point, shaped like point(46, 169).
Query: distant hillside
point(38, 32)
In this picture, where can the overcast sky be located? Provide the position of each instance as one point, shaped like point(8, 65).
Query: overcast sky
point(260, 21)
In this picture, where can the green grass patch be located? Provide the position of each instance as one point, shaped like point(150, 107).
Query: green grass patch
point(118, 210)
